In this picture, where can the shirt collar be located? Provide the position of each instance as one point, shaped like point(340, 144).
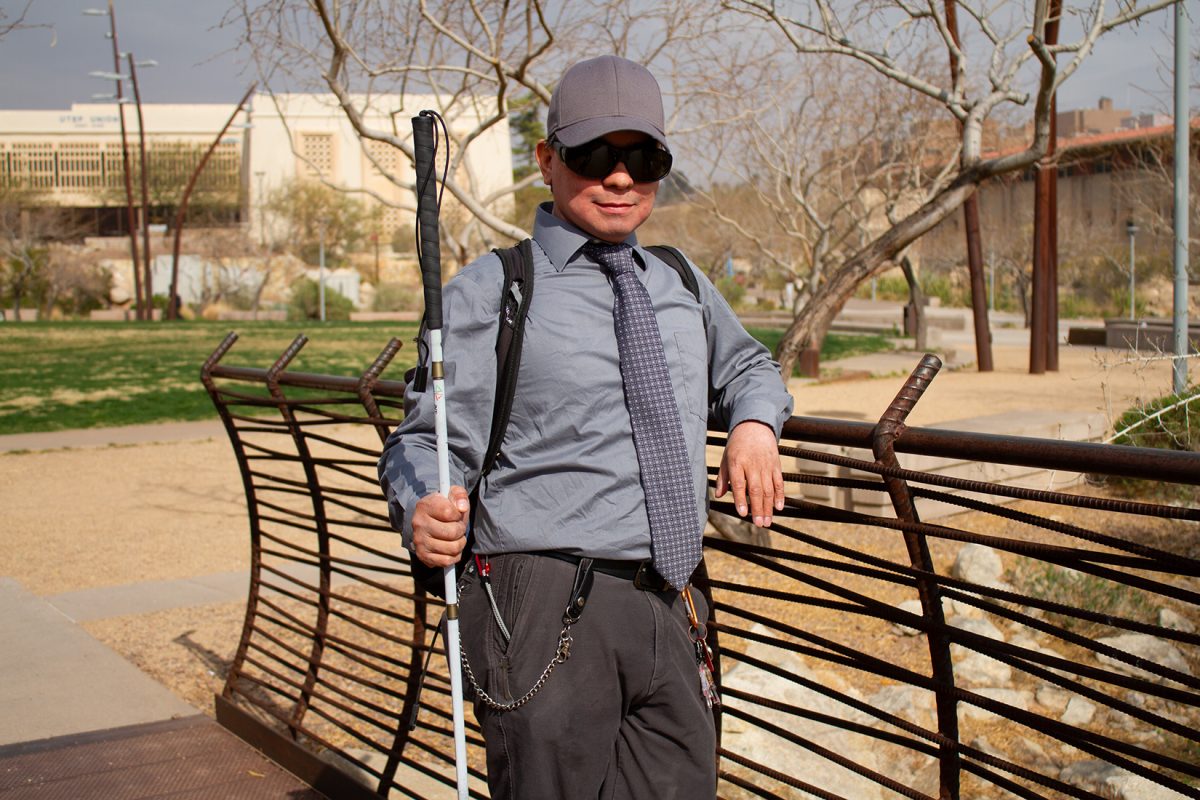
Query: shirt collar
point(562, 241)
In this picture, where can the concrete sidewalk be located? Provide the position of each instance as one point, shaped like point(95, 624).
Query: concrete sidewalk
point(104, 437)
point(58, 680)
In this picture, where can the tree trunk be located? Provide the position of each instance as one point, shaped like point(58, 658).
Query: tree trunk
point(916, 299)
point(810, 326)
point(979, 303)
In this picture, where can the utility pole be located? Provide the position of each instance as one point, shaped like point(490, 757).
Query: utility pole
point(148, 283)
point(321, 270)
point(1183, 142)
point(131, 223)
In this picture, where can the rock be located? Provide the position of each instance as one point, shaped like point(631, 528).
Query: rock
point(982, 627)
point(909, 702)
point(1018, 698)
point(975, 669)
point(978, 563)
point(957, 608)
point(912, 607)
point(1053, 698)
point(1110, 781)
point(767, 748)
point(1079, 711)
point(1029, 753)
point(983, 745)
point(1169, 618)
point(1144, 646)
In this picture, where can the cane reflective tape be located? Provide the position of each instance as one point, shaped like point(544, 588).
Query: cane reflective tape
point(453, 645)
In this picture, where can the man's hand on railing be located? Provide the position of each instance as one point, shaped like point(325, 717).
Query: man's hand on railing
point(750, 467)
point(440, 527)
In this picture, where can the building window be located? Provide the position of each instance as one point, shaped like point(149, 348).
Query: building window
point(80, 166)
point(316, 155)
point(31, 165)
point(384, 159)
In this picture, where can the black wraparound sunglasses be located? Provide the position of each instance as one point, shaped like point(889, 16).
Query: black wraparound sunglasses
point(597, 159)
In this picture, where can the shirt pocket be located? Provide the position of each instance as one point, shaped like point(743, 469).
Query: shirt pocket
point(693, 366)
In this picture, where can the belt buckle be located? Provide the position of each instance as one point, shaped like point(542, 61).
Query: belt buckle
point(647, 579)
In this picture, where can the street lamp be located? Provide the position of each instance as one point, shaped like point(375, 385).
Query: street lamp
point(139, 304)
point(321, 268)
point(1131, 228)
point(262, 217)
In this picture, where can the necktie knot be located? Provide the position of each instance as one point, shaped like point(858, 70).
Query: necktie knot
point(614, 258)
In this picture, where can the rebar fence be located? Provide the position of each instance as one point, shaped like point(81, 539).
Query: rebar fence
point(1037, 640)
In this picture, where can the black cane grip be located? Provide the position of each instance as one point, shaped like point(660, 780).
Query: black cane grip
point(427, 218)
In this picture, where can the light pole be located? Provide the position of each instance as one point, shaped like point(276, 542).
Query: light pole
point(1131, 229)
point(262, 217)
point(321, 270)
point(137, 101)
point(116, 76)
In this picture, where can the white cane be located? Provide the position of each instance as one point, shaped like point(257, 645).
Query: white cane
point(424, 152)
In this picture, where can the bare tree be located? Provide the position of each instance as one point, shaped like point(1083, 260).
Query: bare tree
point(473, 59)
point(891, 38)
point(16, 21)
point(802, 178)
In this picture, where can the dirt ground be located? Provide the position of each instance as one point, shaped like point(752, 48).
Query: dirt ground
point(84, 518)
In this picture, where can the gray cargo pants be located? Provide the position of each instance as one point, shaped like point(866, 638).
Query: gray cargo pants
point(622, 717)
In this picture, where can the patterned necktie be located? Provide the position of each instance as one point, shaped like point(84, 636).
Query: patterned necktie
point(675, 536)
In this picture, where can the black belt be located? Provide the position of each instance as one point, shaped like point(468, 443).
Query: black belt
point(642, 573)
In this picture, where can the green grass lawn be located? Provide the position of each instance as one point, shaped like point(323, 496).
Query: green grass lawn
point(836, 345)
point(68, 375)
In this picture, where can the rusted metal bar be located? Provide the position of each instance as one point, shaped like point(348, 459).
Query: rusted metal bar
point(889, 428)
point(1172, 466)
point(304, 700)
point(366, 386)
point(252, 509)
point(358, 684)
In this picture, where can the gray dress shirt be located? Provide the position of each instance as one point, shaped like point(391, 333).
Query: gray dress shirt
point(567, 478)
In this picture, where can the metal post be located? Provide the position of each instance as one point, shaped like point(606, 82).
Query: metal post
point(1183, 140)
point(1132, 230)
point(991, 281)
point(140, 303)
point(148, 282)
point(258, 208)
point(321, 271)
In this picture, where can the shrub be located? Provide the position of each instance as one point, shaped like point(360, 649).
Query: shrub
point(1169, 423)
point(733, 292)
point(1081, 590)
point(305, 302)
point(396, 297)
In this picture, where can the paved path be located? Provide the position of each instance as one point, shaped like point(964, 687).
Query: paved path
point(58, 680)
point(104, 437)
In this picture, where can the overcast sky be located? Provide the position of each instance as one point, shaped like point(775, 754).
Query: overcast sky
point(48, 67)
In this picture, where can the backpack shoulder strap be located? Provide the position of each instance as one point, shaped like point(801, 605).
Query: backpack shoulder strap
point(675, 259)
point(514, 308)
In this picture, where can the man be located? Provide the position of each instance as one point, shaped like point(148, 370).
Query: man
point(601, 481)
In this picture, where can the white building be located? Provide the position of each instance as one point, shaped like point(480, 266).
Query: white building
point(73, 157)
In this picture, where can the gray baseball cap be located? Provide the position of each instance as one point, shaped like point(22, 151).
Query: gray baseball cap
point(602, 95)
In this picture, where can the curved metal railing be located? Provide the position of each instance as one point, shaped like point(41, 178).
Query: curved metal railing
point(1068, 670)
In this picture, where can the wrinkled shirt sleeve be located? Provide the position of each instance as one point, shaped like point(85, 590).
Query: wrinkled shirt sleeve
point(744, 380)
point(408, 466)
